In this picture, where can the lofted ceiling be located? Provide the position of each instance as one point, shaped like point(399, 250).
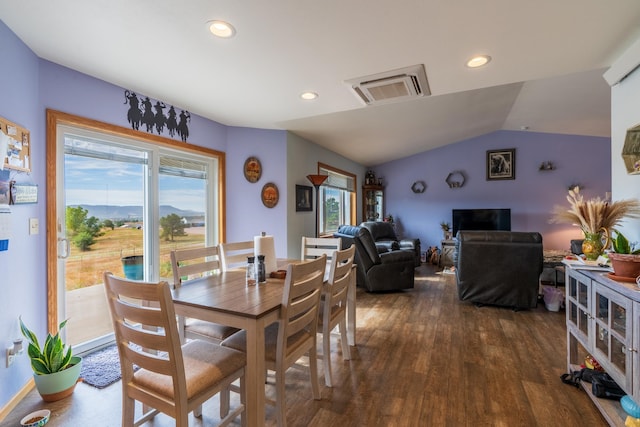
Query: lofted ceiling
point(548, 57)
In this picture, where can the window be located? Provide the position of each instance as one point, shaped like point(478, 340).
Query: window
point(337, 196)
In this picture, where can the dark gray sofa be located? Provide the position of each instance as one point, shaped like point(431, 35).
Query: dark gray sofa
point(499, 267)
point(386, 271)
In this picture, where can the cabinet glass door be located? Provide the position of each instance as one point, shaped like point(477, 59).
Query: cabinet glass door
point(578, 303)
point(613, 333)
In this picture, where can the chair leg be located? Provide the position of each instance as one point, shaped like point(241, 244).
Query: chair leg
point(128, 411)
point(197, 412)
point(313, 367)
point(243, 402)
point(280, 397)
point(326, 357)
point(224, 402)
point(346, 351)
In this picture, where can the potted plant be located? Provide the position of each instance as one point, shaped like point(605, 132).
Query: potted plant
point(625, 258)
point(445, 230)
point(55, 369)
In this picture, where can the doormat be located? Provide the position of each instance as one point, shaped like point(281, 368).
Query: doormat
point(101, 368)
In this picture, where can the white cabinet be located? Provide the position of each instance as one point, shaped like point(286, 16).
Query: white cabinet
point(603, 320)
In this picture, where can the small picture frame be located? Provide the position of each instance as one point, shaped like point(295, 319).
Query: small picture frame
point(304, 200)
point(501, 164)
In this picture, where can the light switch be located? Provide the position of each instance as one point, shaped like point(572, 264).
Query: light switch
point(34, 226)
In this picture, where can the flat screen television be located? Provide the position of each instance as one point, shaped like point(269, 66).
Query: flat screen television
point(481, 219)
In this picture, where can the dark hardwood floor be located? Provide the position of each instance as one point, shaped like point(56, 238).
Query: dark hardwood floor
point(422, 358)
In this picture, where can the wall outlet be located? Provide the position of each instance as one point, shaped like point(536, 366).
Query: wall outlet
point(34, 226)
point(10, 357)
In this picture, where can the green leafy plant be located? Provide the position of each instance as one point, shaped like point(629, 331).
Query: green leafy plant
point(54, 356)
point(445, 226)
point(621, 245)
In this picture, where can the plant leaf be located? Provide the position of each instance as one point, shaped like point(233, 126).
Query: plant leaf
point(39, 366)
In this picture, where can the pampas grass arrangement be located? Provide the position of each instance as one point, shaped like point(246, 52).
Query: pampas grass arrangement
point(595, 214)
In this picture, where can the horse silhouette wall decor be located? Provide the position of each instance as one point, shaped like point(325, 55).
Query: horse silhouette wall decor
point(152, 116)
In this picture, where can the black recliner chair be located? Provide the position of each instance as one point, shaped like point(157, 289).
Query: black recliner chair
point(386, 271)
point(499, 267)
point(385, 238)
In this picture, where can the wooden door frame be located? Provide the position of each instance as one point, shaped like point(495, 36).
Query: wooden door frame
point(56, 118)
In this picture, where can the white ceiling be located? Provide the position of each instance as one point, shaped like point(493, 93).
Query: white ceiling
point(546, 72)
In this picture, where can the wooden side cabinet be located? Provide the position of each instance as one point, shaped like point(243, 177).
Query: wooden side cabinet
point(372, 203)
point(603, 319)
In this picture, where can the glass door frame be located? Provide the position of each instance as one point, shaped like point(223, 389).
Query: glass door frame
point(55, 238)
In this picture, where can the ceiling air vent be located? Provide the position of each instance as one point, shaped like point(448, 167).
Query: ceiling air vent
point(392, 86)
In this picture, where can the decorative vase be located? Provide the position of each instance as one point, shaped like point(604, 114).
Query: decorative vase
point(593, 245)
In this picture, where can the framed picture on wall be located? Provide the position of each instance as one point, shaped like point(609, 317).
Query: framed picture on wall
point(501, 164)
point(304, 202)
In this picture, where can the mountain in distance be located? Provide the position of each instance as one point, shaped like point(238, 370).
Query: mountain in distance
point(103, 212)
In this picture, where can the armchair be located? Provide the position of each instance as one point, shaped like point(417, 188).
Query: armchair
point(376, 271)
point(499, 267)
point(386, 240)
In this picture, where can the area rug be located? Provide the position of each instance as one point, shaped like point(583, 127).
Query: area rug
point(101, 368)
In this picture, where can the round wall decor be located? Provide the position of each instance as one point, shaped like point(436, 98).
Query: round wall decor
point(270, 195)
point(252, 169)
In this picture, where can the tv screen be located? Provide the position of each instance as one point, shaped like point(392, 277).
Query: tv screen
point(481, 219)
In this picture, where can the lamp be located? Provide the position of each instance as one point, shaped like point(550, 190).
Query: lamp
point(317, 181)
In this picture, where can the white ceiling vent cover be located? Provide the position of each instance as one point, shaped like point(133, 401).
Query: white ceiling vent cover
point(392, 86)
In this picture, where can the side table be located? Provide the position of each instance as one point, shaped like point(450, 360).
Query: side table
point(446, 253)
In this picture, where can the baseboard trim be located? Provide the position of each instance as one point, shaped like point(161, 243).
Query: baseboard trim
point(6, 410)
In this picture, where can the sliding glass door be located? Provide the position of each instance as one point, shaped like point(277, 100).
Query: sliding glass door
point(122, 205)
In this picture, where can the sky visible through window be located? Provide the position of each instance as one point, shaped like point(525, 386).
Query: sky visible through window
point(90, 181)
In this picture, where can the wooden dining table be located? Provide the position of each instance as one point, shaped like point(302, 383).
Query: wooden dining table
point(224, 298)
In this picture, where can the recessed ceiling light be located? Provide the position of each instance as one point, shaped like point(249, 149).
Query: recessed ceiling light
point(478, 61)
point(221, 29)
point(308, 96)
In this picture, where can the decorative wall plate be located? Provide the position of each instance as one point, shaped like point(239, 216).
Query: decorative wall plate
point(270, 195)
point(252, 169)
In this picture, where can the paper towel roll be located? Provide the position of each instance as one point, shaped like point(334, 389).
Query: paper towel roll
point(264, 245)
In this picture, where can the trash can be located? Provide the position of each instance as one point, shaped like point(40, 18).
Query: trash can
point(553, 298)
point(133, 267)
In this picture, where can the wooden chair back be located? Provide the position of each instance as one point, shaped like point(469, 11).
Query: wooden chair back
point(300, 304)
point(145, 326)
point(314, 247)
point(187, 264)
point(235, 254)
point(338, 282)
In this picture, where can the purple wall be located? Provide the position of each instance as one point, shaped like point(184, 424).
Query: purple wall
point(531, 196)
point(246, 215)
point(22, 267)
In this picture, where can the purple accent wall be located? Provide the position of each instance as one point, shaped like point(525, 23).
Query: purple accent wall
point(531, 196)
point(72, 92)
point(246, 215)
point(22, 266)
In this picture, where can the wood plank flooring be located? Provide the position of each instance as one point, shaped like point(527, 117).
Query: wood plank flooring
point(422, 358)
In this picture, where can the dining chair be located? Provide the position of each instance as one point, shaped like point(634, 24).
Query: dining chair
point(235, 254)
point(333, 310)
point(189, 264)
point(171, 378)
point(294, 334)
point(313, 247)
